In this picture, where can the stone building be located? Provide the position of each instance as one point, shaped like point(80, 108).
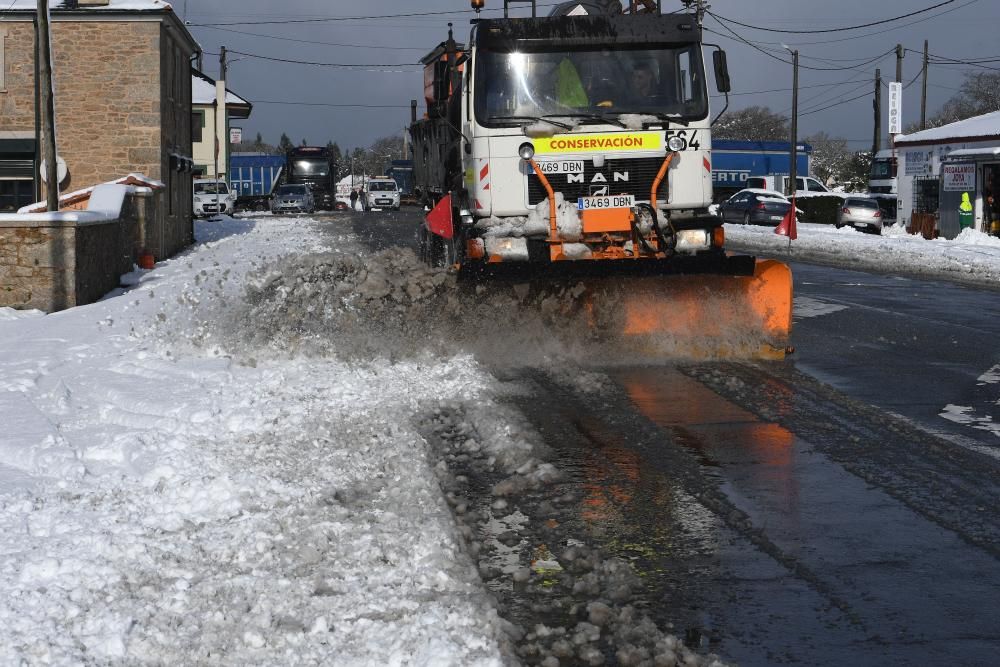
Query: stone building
point(122, 71)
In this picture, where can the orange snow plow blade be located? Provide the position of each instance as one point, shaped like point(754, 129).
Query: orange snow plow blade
point(704, 315)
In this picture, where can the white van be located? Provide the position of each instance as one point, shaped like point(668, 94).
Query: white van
point(382, 193)
point(803, 184)
point(212, 196)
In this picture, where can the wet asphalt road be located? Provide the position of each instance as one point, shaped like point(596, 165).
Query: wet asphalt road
point(818, 511)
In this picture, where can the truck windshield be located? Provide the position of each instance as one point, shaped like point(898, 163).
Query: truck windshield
point(310, 168)
point(590, 83)
point(211, 188)
point(883, 168)
point(381, 186)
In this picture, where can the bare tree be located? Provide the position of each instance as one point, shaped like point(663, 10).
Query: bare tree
point(752, 124)
point(830, 157)
point(978, 94)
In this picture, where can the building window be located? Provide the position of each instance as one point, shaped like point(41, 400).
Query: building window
point(197, 125)
point(16, 193)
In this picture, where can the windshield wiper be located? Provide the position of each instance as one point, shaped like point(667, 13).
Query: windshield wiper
point(535, 119)
point(604, 118)
point(671, 117)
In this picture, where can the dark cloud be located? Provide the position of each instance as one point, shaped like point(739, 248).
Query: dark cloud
point(966, 32)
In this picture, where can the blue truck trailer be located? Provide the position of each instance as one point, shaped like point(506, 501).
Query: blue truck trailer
point(252, 176)
point(401, 171)
point(733, 162)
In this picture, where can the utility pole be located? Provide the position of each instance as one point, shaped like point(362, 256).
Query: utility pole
point(221, 123)
point(795, 123)
point(923, 93)
point(44, 56)
point(877, 104)
point(899, 63)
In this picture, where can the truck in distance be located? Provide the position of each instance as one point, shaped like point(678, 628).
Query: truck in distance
point(313, 167)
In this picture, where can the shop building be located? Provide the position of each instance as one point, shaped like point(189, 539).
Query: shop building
point(938, 166)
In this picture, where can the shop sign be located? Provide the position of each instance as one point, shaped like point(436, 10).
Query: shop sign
point(918, 163)
point(959, 177)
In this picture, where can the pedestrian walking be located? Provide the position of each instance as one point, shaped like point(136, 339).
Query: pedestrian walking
point(354, 200)
point(364, 200)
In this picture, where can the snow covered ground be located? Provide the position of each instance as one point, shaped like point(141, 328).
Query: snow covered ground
point(170, 494)
point(971, 258)
point(175, 488)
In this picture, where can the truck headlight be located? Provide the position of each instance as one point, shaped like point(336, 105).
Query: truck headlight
point(526, 151)
point(692, 239)
point(676, 144)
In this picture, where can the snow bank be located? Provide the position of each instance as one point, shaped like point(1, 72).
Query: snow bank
point(971, 258)
point(171, 494)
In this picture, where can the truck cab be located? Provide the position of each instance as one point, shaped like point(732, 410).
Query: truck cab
point(583, 135)
point(882, 178)
point(312, 166)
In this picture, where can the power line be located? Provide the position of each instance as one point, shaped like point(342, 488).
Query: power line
point(349, 18)
point(879, 33)
point(309, 41)
point(378, 66)
point(835, 104)
point(846, 28)
point(330, 104)
point(782, 60)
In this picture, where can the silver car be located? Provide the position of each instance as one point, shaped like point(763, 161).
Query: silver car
point(861, 213)
point(292, 199)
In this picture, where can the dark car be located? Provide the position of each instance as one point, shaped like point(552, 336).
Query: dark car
point(862, 213)
point(755, 207)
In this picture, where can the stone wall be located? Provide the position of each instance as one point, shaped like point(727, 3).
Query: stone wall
point(54, 262)
point(37, 266)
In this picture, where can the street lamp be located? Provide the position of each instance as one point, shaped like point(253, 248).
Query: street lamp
point(795, 119)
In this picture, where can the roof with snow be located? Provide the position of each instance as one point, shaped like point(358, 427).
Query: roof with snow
point(85, 6)
point(983, 127)
point(203, 92)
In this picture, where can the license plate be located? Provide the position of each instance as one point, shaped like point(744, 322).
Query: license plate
point(777, 218)
point(562, 167)
point(611, 201)
point(860, 224)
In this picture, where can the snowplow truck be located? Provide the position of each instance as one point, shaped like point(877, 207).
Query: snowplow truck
point(584, 137)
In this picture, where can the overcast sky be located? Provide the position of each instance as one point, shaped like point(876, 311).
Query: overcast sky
point(960, 30)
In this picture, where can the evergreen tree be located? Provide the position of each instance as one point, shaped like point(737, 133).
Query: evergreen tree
point(285, 144)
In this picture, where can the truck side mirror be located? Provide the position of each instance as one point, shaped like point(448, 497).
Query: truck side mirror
point(721, 71)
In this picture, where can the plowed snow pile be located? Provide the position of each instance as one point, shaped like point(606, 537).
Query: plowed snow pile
point(390, 305)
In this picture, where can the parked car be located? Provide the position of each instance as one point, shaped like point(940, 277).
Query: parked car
point(292, 199)
point(861, 213)
point(212, 196)
point(755, 207)
point(341, 205)
point(382, 193)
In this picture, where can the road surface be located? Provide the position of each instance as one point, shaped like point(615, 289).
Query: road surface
point(836, 508)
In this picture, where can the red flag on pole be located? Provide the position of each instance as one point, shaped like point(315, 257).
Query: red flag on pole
point(439, 219)
point(787, 225)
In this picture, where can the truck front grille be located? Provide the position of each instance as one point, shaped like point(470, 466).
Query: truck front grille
point(622, 177)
